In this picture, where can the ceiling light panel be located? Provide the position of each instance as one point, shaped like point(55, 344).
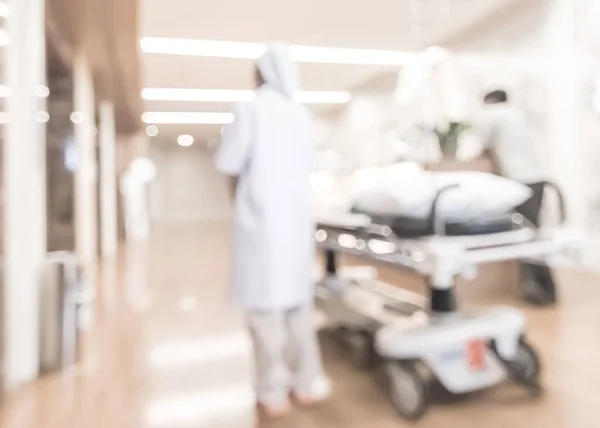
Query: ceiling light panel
point(242, 50)
point(206, 95)
point(234, 96)
point(187, 118)
point(348, 56)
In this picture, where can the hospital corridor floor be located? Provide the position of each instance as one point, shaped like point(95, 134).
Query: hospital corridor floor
point(163, 350)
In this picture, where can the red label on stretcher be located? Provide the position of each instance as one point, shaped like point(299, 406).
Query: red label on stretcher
point(476, 354)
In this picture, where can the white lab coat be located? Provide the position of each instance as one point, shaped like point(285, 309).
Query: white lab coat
point(269, 147)
point(506, 134)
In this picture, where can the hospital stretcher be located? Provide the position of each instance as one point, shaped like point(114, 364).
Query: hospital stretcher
point(424, 339)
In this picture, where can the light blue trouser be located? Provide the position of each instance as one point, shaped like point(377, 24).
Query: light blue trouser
point(287, 355)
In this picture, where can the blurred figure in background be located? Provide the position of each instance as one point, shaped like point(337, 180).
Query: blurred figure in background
point(510, 146)
point(133, 185)
point(268, 152)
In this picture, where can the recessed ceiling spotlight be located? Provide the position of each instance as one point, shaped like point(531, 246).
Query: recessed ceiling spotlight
point(185, 140)
point(42, 116)
point(77, 117)
point(152, 131)
point(42, 91)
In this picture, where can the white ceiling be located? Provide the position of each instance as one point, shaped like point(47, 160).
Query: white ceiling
point(374, 24)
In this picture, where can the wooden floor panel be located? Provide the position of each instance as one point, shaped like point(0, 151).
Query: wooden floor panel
point(165, 350)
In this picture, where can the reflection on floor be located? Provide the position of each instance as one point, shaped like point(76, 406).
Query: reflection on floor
point(166, 351)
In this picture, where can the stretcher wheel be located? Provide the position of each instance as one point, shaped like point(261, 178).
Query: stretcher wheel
point(539, 288)
point(341, 336)
point(362, 352)
point(409, 389)
point(526, 367)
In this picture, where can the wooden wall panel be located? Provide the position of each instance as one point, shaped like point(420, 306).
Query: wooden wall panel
point(106, 30)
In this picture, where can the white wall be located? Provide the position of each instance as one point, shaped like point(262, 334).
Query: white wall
point(514, 30)
point(187, 187)
point(359, 134)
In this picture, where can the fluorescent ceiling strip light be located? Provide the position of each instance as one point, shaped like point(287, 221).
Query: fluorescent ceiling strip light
point(243, 50)
point(234, 96)
point(195, 118)
point(209, 48)
point(348, 56)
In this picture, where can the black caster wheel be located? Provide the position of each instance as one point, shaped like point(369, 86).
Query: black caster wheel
point(361, 349)
point(409, 389)
point(340, 333)
point(540, 299)
point(341, 336)
point(526, 368)
point(539, 288)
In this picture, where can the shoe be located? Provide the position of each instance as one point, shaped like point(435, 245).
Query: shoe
point(319, 392)
point(273, 412)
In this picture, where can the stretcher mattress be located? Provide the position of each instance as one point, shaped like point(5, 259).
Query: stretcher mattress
point(412, 227)
point(419, 227)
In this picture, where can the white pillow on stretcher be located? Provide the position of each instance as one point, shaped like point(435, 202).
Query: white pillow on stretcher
point(410, 193)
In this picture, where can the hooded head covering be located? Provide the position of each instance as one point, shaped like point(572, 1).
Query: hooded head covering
point(278, 70)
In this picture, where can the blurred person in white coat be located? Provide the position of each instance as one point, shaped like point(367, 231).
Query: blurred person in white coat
point(509, 143)
point(133, 185)
point(268, 152)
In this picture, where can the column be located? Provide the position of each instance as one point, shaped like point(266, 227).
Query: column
point(86, 222)
point(24, 190)
point(564, 96)
point(108, 184)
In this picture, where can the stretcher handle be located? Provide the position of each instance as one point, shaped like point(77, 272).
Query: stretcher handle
point(437, 223)
point(561, 199)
